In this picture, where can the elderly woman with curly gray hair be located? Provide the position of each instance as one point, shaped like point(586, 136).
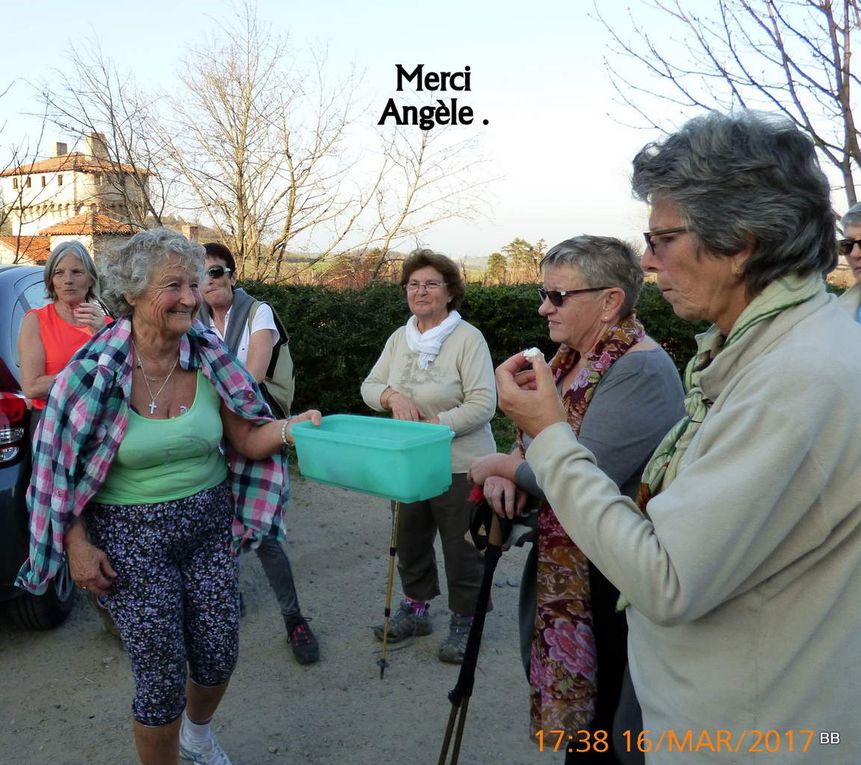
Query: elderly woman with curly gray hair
point(131, 482)
point(740, 562)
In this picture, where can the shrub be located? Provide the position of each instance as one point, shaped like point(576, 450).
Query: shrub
point(337, 335)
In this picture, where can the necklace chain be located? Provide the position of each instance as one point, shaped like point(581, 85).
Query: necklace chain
point(152, 405)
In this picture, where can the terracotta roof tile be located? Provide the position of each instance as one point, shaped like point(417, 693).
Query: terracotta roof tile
point(89, 223)
point(76, 161)
point(33, 248)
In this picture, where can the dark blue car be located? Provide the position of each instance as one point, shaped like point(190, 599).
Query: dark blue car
point(21, 288)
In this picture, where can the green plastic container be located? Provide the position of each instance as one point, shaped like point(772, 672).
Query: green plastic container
point(400, 460)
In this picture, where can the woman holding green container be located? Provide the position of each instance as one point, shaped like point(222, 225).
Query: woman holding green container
point(437, 369)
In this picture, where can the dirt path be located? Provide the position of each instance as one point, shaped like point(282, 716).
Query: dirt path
point(65, 696)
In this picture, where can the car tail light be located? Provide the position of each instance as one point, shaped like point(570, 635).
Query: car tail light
point(13, 410)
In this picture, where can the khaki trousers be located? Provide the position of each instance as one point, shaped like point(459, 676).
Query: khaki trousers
point(449, 513)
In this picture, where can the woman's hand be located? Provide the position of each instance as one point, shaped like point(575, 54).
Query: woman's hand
point(404, 408)
point(504, 465)
point(89, 315)
point(312, 414)
point(89, 566)
point(504, 496)
point(529, 397)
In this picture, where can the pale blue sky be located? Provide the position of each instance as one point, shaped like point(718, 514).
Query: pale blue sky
point(555, 138)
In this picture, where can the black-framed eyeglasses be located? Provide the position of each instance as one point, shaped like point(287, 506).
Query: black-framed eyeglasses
point(557, 297)
point(846, 245)
point(648, 235)
point(216, 272)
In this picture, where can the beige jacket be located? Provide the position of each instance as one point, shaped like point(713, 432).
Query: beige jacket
point(851, 299)
point(745, 583)
point(458, 387)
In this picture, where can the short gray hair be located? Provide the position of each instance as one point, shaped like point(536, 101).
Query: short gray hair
point(128, 269)
point(80, 252)
point(746, 180)
point(852, 216)
point(604, 261)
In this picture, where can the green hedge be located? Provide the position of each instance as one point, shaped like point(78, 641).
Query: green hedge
point(337, 335)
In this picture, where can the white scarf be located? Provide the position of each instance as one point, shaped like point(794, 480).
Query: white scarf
point(427, 344)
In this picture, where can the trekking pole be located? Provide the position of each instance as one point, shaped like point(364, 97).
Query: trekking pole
point(459, 696)
point(393, 548)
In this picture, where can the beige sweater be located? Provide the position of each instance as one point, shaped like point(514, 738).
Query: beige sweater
point(745, 583)
point(458, 387)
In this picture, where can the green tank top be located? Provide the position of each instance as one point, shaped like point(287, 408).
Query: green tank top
point(163, 460)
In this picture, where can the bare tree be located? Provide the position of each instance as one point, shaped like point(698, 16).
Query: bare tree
point(427, 177)
point(787, 56)
point(266, 150)
point(18, 198)
point(264, 147)
point(256, 144)
point(94, 97)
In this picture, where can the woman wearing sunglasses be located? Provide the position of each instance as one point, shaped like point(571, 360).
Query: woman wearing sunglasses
point(251, 337)
point(850, 248)
point(437, 369)
point(621, 393)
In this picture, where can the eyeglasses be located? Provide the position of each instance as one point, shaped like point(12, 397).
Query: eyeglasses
point(429, 286)
point(557, 297)
point(648, 235)
point(847, 245)
point(216, 272)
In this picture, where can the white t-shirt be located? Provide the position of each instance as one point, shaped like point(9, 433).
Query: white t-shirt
point(263, 319)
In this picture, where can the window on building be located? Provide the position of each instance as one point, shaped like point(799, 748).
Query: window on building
point(97, 179)
point(60, 179)
point(28, 182)
point(15, 184)
point(44, 181)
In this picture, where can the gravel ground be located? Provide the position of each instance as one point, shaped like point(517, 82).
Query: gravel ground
point(66, 694)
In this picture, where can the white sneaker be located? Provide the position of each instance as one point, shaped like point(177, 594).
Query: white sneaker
point(209, 753)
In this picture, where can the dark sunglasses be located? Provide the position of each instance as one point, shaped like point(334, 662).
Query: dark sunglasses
point(846, 245)
point(216, 272)
point(557, 297)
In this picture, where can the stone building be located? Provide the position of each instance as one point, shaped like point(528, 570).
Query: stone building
point(81, 195)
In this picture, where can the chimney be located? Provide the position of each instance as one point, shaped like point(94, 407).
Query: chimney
point(190, 231)
point(60, 149)
point(96, 145)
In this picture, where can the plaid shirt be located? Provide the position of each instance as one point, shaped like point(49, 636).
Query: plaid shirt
point(84, 422)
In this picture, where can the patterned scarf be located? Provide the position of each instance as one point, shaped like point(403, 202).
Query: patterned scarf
point(563, 661)
point(663, 467)
point(428, 344)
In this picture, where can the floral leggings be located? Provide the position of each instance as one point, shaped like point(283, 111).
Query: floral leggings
point(175, 600)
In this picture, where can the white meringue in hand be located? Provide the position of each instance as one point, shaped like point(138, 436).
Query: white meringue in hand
point(530, 353)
